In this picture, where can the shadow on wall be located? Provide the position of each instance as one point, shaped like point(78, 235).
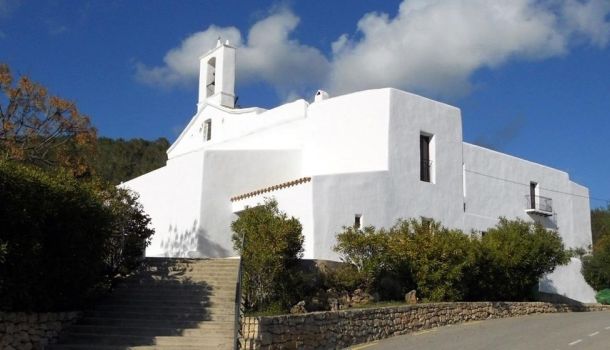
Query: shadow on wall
point(548, 293)
point(193, 242)
point(548, 222)
point(209, 249)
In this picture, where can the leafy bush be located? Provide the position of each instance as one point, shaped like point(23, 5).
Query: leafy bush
point(511, 259)
point(130, 231)
point(412, 253)
point(270, 244)
point(367, 251)
point(61, 238)
point(448, 265)
point(55, 230)
point(596, 267)
point(439, 258)
point(600, 223)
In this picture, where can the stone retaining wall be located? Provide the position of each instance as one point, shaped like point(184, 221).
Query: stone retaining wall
point(25, 331)
point(339, 329)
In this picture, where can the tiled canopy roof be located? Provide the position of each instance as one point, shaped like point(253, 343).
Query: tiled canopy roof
point(271, 188)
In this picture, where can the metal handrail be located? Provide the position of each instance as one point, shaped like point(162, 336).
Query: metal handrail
point(238, 295)
point(238, 309)
point(539, 203)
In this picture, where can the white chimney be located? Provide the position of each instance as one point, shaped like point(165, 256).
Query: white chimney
point(321, 95)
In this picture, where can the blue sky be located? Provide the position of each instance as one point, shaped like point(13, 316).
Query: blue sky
point(532, 77)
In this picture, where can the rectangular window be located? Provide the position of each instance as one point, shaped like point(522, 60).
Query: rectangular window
point(207, 130)
point(533, 194)
point(424, 158)
point(357, 221)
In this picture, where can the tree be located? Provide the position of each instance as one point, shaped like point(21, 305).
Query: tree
point(270, 245)
point(439, 258)
point(121, 160)
point(130, 232)
point(43, 130)
point(411, 253)
point(511, 259)
point(600, 224)
point(596, 267)
point(367, 251)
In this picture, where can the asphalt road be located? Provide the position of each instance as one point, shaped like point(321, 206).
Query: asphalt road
point(574, 331)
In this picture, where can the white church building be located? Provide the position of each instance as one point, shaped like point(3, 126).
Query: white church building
point(365, 158)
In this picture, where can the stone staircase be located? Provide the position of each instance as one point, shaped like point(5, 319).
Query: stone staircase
point(170, 304)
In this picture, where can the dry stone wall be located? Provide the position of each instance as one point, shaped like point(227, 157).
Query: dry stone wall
point(340, 329)
point(23, 331)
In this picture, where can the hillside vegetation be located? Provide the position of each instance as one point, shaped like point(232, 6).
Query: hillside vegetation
point(119, 160)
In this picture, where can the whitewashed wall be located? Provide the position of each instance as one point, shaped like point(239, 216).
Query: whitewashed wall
point(232, 172)
point(171, 196)
point(296, 200)
point(362, 152)
point(348, 134)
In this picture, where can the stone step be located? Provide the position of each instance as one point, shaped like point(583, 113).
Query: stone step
point(209, 310)
point(162, 305)
point(169, 304)
point(174, 295)
point(183, 279)
point(155, 323)
point(202, 288)
point(160, 299)
point(173, 316)
point(175, 289)
point(178, 271)
point(143, 347)
point(135, 340)
point(225, 329)
point(201, 285)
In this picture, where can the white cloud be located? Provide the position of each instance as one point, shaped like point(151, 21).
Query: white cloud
point(269, 55)
point(433, 46)
point(181, 64)
point(589, 19)
point(436, 45)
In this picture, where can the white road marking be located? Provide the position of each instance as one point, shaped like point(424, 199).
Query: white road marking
point(593, 334)
point(575, 342)
point(608, 327)
point(364, 346)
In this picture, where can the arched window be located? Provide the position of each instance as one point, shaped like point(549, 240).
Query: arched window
point(210, 83)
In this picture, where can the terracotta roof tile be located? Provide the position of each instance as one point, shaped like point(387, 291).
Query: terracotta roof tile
point(271, 188)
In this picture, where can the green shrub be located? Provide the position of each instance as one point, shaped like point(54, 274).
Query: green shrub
point(448, 265)
point(596, 267)
point(130, 231)
point(63, 240)
point(345, 278)
point(438, 258)
point(603, 297)
point(367, 251)
point(412, 253)
point(54, 229)
point(271, 245)
point(511, 259)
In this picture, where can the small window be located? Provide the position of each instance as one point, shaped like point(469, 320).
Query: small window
point(207, 130)
point(358, 221)
point(426, 222)
point(425, 161)
point(533, 194)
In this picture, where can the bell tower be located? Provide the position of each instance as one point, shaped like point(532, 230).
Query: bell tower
point(217, 76)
